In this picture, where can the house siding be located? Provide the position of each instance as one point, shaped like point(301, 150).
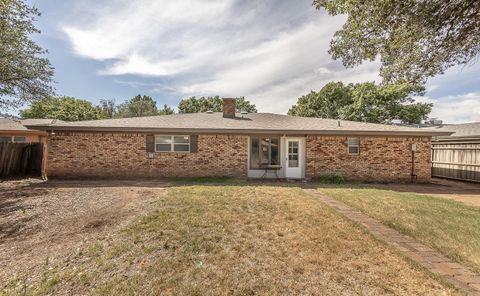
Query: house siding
point(124, 155)
point(381, 158)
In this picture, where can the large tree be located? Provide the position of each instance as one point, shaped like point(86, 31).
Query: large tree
point(138, 106)
point(414, 39)
point(107, 108)
point(63, 108)
point(25, 73)
point(365, 102)
point(243, 105)
point(215, 104)
point(166, 110)
point(325, 103)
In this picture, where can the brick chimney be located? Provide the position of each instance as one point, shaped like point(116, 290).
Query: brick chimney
point(229, 108)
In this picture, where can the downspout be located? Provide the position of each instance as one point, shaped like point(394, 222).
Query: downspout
point(315, 159)
point(44, 141)
point(413, 176)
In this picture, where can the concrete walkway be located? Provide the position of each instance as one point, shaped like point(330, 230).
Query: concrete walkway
point(429, 258)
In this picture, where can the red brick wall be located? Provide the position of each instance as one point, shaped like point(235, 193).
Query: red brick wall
point(123, 155)
point(380, 158)
point(90, 155)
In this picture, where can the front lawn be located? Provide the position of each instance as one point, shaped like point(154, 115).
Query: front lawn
point(236, 240)
point(450, 227)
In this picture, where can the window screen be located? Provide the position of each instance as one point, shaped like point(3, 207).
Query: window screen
point(19, 139)
point(164, 143)
point(353, 146)
point(5, 139)
point(181, 143)
point(264, 151)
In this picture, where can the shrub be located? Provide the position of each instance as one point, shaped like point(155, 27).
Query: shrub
point(330, 179)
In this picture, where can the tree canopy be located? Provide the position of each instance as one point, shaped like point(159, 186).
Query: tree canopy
point(107, 108)
point(194, 105)
point(365, 102)
point(25, 74)
point(215, 104)
point(325, 103)
point(414, 39)
point(63, 108)
point(244, 105)
point(138, 106)
point(166, 110)
point(71, 109)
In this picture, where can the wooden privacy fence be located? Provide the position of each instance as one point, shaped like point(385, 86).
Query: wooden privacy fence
point(20, 159)
point(456, 160)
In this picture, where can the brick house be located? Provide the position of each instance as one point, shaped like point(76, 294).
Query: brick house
point(240, 145)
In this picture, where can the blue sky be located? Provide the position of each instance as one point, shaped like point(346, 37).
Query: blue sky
point(269, 51)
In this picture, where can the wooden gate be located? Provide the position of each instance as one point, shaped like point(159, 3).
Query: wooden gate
point(20, 159)
point(456, 160)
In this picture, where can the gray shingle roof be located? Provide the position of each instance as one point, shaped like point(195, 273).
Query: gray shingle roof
point(250, 123)
point(470, 130)
point(10, 124)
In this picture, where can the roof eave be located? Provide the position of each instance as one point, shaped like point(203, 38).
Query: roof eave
point(23, 132)
point(458, 138)
point(238, 131)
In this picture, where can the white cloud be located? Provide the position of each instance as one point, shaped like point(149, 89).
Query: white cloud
point(270, 51)
point(455, 109)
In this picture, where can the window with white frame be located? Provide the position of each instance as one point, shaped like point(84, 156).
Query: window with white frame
point(353, 146)
point(172, 143)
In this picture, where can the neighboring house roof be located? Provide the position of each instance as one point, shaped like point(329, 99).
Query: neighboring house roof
point(461, 131)
point(249, 123)
point(17, 125)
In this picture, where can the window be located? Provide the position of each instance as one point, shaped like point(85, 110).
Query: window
point(5, 139)
point(19, 139)
point(12, 139)
point(293, 154)
point(353, 146)
point(264, 151)
point(164, 143)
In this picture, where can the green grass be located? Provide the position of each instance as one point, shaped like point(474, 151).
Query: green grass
point(238, 240)
point(450, 227)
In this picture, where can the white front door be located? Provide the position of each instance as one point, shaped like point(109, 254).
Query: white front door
point(294, 158)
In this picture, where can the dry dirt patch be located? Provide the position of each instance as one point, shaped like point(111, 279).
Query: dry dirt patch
point(40, 223)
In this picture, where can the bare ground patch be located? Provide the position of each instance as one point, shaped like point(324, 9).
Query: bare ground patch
point(42, 224)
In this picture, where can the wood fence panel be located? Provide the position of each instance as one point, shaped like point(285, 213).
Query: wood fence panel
point(20, 159)
point(456, 160)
